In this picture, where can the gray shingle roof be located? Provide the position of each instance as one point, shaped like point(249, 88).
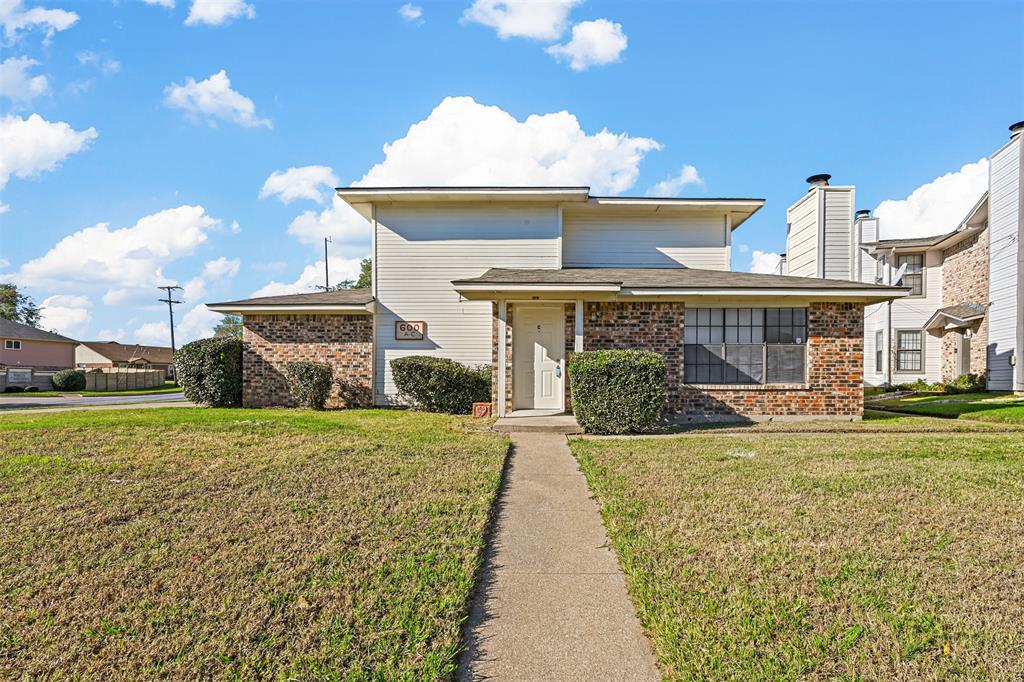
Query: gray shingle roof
point(963, 311)
point(16, 330)
point(339, 297)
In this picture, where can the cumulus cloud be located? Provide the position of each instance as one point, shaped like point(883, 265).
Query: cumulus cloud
point(765, 262)
point(33, 145)
point(169, 4)
point(522, 18)
point(670, 186)
point(218, 12)
point(593, 43)
point(15, 18)
point(152, 334)
point(15, 82)
point(305, 182)
point(67, 315)
point(313, 276)
point(212, 99)
point(411, 12)
point(129, 257)
point(935, 207)
point(213, 271)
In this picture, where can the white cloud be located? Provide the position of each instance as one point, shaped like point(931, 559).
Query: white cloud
point(14, 18)
point(593, 43)
point(152, 334)
point(313, 276)
point(305, 182)
point(670, 186)
point(213, 99)
point(197, 323)
point(118, 334)
point(104, 64)
point(764, 262)
point(544, 20)
point(130, 257)
point(67, 315)
point(30, 146)
point(169, 4)
point(218, 12)
point(935, 207)
point(214, 271)
point(16, 83)
point(4, 262)
point(411, 12)
point(340, 222)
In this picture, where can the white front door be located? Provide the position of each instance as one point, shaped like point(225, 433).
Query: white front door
point(538, 348)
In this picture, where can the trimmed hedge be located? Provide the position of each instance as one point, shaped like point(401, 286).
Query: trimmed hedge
point(440, 385)
point(617, 391)
point(309, 383)
point(210, 371)
point(967, 383)
point(69, 380)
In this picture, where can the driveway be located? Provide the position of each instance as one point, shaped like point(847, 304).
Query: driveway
point(9, 403)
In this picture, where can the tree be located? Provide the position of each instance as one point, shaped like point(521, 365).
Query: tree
point(17, 306)
point(230, 326)
point(365, 276)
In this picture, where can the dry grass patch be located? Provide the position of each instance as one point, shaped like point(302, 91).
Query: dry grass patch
point(190, 543)
point(821, 556)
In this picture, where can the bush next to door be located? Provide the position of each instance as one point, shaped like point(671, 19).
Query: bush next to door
point(69, 380)
point(309, 383)
point(617, 391)
point(210, 371)
point(440, 385)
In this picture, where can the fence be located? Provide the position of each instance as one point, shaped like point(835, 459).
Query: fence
point(123, 379)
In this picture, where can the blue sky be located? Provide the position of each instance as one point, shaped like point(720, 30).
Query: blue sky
point(139, 137)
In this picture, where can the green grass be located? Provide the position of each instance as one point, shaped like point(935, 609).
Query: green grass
point(168, 387)
point(875, 555)
point(992, 407)
point(187, 543)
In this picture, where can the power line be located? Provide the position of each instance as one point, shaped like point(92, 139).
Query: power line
point(170, 310)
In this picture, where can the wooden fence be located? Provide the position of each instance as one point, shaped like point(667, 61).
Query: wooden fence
point(123, 379)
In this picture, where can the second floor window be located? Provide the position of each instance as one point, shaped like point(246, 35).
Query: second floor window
point(12, 344)
point(744, 345)
point(913, 276)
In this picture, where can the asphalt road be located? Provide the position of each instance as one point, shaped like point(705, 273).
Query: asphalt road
point(8, 403)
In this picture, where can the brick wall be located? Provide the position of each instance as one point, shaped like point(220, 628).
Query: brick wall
point(965, 280)
point(270, 342)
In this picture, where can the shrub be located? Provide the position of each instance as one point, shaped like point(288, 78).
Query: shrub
point(617, 391)
point(69, 380)
point(966, 383)
point(13, 389)
point(441, 385)
point(31, 389)
point(309, 383)
point(210, 371)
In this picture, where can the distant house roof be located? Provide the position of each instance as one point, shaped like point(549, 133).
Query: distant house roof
point(10, 329)
point(341, 300)
point(128, 352)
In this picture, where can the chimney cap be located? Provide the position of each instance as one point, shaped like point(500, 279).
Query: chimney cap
point(819, 179)
point(863, 213)
point(1016, 128)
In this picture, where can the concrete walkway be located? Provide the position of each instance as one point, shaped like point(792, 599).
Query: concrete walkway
point(553, 603)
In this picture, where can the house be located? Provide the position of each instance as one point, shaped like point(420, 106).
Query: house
point(108, 354)
point(963, 312)
point(31, 356)
point(518, 278)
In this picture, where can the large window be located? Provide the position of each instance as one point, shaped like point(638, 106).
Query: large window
point(913, 276)
point(744, 345)
point(879, 349)
point(908, 351)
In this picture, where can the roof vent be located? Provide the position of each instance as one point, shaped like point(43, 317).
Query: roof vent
point(862, 213)
point(819, 180)
point(1016, 129)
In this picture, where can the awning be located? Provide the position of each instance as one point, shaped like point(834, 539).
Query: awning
point(956, 316)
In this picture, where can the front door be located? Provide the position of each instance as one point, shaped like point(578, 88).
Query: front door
point(538, 348)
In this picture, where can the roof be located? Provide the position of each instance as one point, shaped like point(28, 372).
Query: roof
point(975, 219)
point(131, 352)
point(9, 329)
point(340, 299)
point(959, 315)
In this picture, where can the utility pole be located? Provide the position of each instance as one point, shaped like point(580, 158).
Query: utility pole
point(327, 269)
point(170, 310)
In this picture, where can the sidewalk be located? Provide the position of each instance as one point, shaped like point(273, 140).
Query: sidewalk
point(553, 602)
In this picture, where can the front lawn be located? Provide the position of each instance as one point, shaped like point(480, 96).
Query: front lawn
point(839, 556)
point(993, 407)
point(188, 543)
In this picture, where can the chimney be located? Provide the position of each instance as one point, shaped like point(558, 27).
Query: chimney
point(1016, 129)
point(862, 214)
point(783, 267)
point(819, 180)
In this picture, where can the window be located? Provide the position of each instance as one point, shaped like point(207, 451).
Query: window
point(744, 345)
point(12, 344)
point(880, 266)
point(908, 351)
point(879, 349)
point(913, 276)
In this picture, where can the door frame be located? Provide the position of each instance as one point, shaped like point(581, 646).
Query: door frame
point(557, 310)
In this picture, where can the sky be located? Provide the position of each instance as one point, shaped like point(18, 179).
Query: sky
point(196, 142)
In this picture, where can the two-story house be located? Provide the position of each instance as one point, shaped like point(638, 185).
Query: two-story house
point(518, 278)
point(30, 356)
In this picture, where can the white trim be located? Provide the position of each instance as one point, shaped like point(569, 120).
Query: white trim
point(577, 344)
point(488, 287)
point(816, 293)
point(502, 342)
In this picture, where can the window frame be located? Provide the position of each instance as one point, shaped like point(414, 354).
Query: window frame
point(922, 273)
point(879, 350)
point(12, 344)
point(898, 369)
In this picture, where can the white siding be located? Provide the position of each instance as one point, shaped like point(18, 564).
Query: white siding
point(838, 234)
point(617, 239)
point(420, 250)
point(1004, 316)
point(802, 240)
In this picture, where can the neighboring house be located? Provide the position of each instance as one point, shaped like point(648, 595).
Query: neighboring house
point(30, 356)
point(109, 354)
point(963, 313)
point(518, 278)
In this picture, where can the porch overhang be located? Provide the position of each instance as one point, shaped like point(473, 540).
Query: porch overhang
point(959, 316)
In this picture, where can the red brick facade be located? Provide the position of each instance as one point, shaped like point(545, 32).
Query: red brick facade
point(270, 342)
point(965, 280)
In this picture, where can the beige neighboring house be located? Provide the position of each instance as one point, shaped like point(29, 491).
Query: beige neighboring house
point(30, 356)
point(109, 354)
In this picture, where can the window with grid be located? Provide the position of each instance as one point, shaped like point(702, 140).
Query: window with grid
point(913, 276)
point(744, 345)
point(12, 344)
point(908, 351)
point(879, 343)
